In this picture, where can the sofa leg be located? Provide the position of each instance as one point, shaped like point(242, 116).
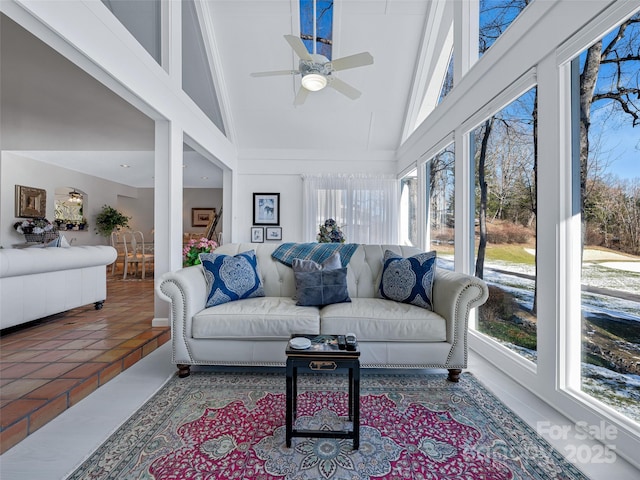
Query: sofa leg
point(183, 370)
point(454, 374)
point(99, 305)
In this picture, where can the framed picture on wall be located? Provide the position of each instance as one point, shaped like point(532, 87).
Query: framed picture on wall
point(257, 235)
point(274, 233)
point(266, 209)
point(31, 202)
point(201, 217)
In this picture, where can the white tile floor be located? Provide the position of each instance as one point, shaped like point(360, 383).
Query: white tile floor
point(57, 448)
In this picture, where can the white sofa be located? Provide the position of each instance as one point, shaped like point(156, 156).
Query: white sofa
point(254, 331)
point(38, 282)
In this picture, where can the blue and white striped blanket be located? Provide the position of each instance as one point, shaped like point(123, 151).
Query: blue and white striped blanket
point(318, 252)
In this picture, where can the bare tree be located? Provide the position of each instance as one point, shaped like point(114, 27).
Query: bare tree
point(482, 183)
point(623, 88)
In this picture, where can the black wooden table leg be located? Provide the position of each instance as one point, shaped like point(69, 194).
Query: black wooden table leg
point(289, 408)
point(356, 407)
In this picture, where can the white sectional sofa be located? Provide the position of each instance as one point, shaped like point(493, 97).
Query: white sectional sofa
point(38, 282)
point(254, 331)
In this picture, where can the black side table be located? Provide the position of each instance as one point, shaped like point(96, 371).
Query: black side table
point(324, 355)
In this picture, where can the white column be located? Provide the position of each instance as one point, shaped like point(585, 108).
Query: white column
point(167, 208)
point(229, 199)
point(466, 28)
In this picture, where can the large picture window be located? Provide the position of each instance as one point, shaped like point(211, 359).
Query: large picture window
point(505, 237)
point(607, 175)
point(441, 203)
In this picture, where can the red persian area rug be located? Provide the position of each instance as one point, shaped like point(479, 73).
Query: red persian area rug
point(221, 425)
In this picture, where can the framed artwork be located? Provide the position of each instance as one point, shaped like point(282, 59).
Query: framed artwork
point(257, 235)
point(200, 217)
point(31, 202)
point(266, 209)
point(274, 233)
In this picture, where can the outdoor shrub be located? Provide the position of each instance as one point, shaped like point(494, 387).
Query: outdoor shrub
point(499, 306)
point(507, 232)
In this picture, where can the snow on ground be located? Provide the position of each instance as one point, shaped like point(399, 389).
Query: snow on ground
point(620, 391)
point(625, 266)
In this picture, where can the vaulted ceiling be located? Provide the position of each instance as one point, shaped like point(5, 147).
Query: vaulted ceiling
point(250, 38)
point(55, 112)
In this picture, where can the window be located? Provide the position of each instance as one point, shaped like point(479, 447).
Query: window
point(607, 175)
point(142, 19)
point(365, 206)
point(408, 209)
point(441, 201)
point(505, 239)
point(447, 83)
point(495, 17)
point(324, 26)
point(197, 74)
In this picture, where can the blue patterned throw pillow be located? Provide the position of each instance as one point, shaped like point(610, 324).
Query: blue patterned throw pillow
point(409, 280)
point(231, 278)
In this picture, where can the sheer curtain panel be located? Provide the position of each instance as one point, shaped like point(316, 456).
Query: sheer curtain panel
point(365, 206)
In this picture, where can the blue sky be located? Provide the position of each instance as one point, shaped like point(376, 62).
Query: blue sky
point(619, 140)
point(324, 24)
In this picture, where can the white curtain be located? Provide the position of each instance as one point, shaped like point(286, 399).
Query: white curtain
point(365, 206)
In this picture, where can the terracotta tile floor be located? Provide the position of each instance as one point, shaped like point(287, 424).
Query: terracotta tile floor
point(54, 363)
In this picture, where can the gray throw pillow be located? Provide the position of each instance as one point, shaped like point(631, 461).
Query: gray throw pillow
point(301, 265)
point(322, 287)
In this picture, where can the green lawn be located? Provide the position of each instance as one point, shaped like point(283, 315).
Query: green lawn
point(510, 253)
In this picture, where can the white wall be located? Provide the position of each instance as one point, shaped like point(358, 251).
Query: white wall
point(290, 189)
point(19, 170)
point(284, 176)
point(139, 209)
point(136, 203)
point(199, 198)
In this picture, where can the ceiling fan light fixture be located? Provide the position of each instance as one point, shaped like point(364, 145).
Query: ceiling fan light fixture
point(314, 82)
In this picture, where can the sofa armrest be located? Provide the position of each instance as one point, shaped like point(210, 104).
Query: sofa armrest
point(186, 290)
point(454, 295)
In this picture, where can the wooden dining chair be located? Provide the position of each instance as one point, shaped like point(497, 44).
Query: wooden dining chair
point(116, 242)
point(134, 253)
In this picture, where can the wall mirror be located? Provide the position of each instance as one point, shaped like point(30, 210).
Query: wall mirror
point(70, 204)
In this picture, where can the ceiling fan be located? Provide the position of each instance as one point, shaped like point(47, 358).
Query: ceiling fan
point(317, 70)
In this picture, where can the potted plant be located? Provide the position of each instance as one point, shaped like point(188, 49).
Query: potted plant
point(110, 219)
point(330, 232)
point(192, 250)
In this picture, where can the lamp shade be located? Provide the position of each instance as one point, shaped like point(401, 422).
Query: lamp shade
point(314, 82)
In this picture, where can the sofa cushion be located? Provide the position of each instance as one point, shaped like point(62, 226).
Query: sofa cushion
point(377, 319)
point(231, 278)
point(380, 320)
point(408, 280)
point(322, 287)
point(256, 318)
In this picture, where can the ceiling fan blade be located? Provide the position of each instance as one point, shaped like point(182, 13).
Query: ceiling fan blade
point(352, 61)
point(344, 88)
point(301, 96)
point(274, 73)
point(298, 47)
